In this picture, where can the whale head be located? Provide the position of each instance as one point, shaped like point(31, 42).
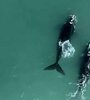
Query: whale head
point(72, 19)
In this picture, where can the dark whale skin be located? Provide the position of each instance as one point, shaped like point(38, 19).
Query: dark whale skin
point(66, 33)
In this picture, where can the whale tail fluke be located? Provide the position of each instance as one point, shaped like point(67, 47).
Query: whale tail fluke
point(55, 66)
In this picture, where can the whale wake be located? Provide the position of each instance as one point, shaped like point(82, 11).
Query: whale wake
point(77, 95)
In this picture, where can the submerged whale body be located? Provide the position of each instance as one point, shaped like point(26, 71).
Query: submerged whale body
point(64, 48)
point(85, 69)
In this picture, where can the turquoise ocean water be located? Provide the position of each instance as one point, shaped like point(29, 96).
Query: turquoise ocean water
point(29, 30)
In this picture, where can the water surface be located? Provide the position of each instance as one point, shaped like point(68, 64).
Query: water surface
point(29, 30)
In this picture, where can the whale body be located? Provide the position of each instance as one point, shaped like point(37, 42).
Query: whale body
point(64, 47)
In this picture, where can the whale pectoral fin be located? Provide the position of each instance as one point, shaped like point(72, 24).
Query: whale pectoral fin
point(55, 66)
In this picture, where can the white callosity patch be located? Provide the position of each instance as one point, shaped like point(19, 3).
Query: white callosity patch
point(73, 19)
point(89, 46)
point(67, 49)
point(89, 66)
point(82, 82)
point(88, 54)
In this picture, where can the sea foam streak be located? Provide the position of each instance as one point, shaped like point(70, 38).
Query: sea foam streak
point(77, 95)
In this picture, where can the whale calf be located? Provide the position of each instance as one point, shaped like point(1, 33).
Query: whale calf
point(64, 47)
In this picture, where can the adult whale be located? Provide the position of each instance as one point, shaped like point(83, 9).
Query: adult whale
point(65, 36)
point(85, 69)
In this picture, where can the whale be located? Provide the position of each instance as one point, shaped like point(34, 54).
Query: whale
point(84, 73)
point(63, 43)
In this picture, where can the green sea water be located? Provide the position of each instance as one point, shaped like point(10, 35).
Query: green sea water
point(29, 30)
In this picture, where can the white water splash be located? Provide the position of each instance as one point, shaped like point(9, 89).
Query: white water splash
point(67, 49)
point(77, 95)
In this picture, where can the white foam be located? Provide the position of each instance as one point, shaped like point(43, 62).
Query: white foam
point(77, 95)
point(67, 49)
